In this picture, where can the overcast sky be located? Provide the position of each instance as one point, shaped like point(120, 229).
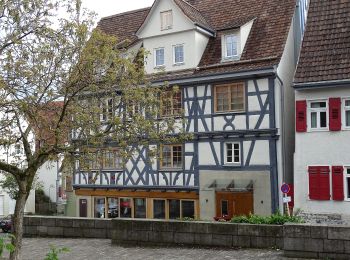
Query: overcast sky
point(109, 7)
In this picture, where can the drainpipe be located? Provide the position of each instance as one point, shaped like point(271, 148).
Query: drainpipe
point(282, 122)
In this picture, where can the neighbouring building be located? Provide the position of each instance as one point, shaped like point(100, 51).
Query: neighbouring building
point(234, 62)
point(322, 92)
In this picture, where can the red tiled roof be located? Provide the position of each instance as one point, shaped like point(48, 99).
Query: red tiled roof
point(325, 54)
point(272, 20)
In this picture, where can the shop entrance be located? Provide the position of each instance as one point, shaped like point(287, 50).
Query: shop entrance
point(231, 204)
point(83, 208)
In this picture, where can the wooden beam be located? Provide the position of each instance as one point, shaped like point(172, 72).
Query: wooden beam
point(137, 194)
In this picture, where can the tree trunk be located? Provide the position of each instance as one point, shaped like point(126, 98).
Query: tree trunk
point(17, 224)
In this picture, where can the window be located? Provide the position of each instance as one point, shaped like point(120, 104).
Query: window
point(231, 46)
point(106, 107)
point(125, 208)
point(140, 208)
point(224, 207)
point(174, 209)
point(319, 183)
point(229, 97)
point(318, 111)
point(113, 207)
point(111, 159)
point(232, 153)
point(171, 156)
point(159, 209)
point(171, 103)
point(166, 20)
point(99, 208)
point(18, 149)
point(178, 54)
point(187, 207)
point(347, 183)
point(347, 113)
point(159, 57)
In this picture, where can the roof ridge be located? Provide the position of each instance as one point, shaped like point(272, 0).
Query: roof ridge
point(124, 13)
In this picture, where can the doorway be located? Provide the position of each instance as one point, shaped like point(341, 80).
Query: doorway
point(83, 208)
point(234, 203)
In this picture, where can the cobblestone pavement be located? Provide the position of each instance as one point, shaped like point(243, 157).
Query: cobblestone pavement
point(101, 249)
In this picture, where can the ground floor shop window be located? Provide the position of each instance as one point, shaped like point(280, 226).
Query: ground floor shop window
point(159, 209)
point(140, 208)
point(187, 208)
point(99, 208)
point(125, 208)
point(113, 207)
point(174, 209)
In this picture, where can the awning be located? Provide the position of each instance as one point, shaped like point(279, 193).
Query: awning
point(231, 185)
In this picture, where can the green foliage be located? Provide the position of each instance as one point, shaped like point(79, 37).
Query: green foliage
point(5, 244)
point(275, 219)
point(55, 252)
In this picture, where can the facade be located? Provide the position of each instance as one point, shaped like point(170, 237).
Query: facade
point(234, 67)
point(322, 91)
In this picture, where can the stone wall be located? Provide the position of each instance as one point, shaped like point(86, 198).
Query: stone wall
point(211, 234)
point(297, 240)
point(44, 226)
point(317, 241)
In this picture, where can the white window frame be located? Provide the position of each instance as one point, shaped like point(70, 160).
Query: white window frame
point(174, 54)
point(233, 153)
point(155, 57)
point(344, 110)
point(164, 25)
point(225, 57)
point(346, 175)
point(107, 109)
point(318, 110)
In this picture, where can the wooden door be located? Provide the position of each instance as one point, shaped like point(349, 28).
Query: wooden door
point(234, 204)
point(83, 208)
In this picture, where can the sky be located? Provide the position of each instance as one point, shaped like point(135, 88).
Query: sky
point(109, 7)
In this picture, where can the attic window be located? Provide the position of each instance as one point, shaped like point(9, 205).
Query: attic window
point(166, 20)
point(231, 46)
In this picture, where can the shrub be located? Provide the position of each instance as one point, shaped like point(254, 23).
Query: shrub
point(275, 219)
point(54, 252)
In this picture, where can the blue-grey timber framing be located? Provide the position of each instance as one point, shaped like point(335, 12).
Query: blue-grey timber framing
point(258, 135)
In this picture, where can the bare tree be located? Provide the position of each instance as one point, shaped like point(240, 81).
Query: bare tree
point(58, 77)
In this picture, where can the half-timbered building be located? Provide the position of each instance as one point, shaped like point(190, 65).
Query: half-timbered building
point(234, 62)
point(322, 90)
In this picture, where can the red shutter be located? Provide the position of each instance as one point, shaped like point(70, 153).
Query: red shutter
point(313, 183)
point(325, 192)
point(338, 183)
point(335, 114)
point(319, 183)
point(300, 114)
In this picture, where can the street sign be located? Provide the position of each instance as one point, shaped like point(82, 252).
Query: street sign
point(287, 199)
point(285, 188)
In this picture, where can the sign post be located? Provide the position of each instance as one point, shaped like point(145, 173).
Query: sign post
point(285, 188)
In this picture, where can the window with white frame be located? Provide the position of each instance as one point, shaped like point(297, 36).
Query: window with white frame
point(179, 54)
point(231, 46)
point(347, 113)
point(318, 115)
point(107, 112)
point(232, 153)
point(347, 183)
point(18, 149)
point(159, 57)
point(166, 20)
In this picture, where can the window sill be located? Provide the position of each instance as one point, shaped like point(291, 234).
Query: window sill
point(170, 170)
point(178, 64)
point(160, 67)
point(232, 164)
point(229, 112)
point(230, 59)
point(318, 130)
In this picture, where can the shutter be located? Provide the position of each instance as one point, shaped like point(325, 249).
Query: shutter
point(324, 183)
point(335, 114)
point(313, 183)
point(300, 113)
point(337, 183)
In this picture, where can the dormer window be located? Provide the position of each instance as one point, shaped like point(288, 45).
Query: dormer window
point(159, 57)
point(231, 46)
point(178, 54)
point(166, 20)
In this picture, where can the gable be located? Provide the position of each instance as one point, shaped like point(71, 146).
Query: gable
point(152, 24)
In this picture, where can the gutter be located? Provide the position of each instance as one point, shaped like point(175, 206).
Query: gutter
point(322, 84)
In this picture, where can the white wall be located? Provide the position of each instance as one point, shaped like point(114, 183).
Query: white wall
point(47, 175)
point(320, 148)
